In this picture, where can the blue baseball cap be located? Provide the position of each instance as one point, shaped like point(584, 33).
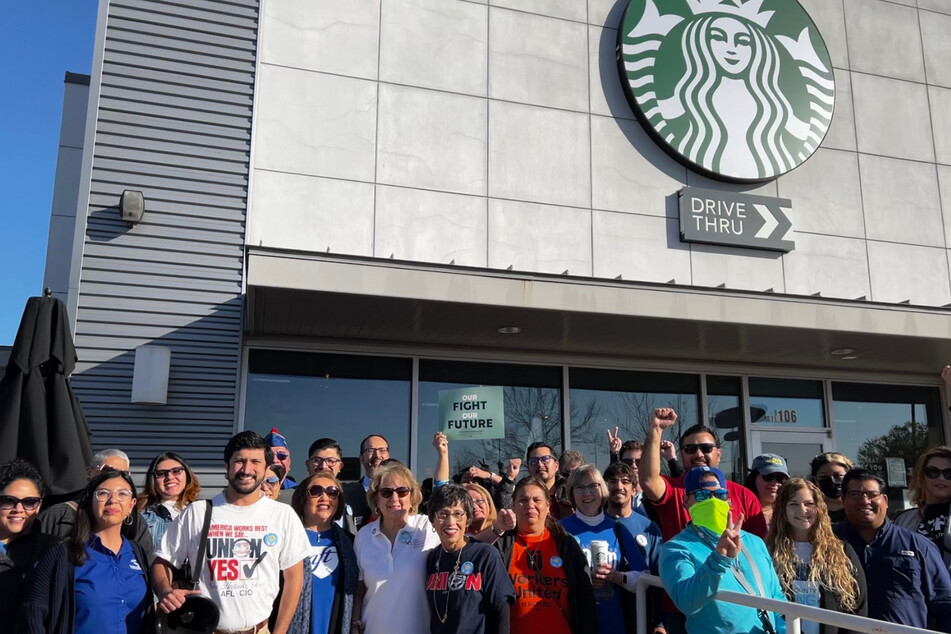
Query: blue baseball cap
point(770, 463)
point(274, 439)
point(695, 475)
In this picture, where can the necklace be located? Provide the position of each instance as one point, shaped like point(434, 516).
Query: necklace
point(531, 556)
point(455, 570)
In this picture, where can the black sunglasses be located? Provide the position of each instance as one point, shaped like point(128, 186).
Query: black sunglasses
point(705, 447)
point(932, 473)
point(774, 477)
point(8, 503)
point(316, 490)
point(387, 493)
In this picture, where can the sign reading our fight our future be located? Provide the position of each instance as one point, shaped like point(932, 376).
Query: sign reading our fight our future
point(472, 413)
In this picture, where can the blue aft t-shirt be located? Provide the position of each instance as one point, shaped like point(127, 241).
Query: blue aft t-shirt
point(111, 593)
point(324, 564)
point(610, 610)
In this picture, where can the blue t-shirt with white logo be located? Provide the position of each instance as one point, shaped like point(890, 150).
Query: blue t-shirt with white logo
point(324, 564)
point(111, 593)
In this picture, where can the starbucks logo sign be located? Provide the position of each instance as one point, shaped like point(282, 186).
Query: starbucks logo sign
point(738, 90)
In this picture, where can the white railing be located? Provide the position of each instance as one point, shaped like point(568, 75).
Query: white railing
point(794, 612)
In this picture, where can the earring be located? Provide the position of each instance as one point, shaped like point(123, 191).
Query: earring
point(128, 520)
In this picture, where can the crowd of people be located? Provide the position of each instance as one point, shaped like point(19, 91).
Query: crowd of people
point(559, 550)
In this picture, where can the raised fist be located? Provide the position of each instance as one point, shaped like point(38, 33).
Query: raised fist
point(663, 418)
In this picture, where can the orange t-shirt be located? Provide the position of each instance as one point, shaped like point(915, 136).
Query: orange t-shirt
point(541, 594)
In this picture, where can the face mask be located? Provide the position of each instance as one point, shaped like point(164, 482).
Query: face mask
point(711, 514)
point(830, 488)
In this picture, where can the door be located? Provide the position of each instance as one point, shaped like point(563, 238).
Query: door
point(797, 447)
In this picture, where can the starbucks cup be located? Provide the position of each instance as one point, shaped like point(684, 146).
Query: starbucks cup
point(599, 552)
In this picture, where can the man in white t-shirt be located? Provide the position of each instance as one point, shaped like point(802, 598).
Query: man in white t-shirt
point(252, 540)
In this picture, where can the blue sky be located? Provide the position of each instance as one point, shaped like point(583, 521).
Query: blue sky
point(39, 41)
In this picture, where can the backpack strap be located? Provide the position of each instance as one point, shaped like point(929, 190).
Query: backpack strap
point(202, 547)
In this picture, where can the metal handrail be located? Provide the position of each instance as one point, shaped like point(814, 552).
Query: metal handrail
point(794, 612)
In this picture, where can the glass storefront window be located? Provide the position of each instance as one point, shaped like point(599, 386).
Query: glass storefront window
point(726, 416)
point(605, 399)
point(532, 407)
point(885, 428)
point(307, 396)
point(786, 402)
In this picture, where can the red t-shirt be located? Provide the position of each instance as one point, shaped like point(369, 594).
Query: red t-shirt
point(674, 517)
point(541, 594)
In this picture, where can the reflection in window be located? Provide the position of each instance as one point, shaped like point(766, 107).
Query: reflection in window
point(532, 401)
point(309, 396)
point(723, 407)
point(876, 422)
point(786, 402)
point(605, 399)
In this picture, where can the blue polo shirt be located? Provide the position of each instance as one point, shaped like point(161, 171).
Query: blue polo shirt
point(908, 582)
point(111, 593)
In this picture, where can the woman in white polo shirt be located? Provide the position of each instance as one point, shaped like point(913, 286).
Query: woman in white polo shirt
point(391, 552)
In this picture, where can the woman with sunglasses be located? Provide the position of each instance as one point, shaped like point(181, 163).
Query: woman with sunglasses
point(271, 485)
point(21, 547)
point(553, 591)
point(931, 495)
point(391, 551)
point(98, 577)
point(615, 577)
point(170, 486)
point(467, 588)
point(813, 565)
point(331, 575)
point(767, 474)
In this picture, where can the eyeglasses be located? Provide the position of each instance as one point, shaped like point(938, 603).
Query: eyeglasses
point(8, 503)
point(379, 451)
point(588, 488)
point(104, 495)
point(702, 495)
point(613, 482)
point(316, 490)
point(324, 462)
point(542, 459)
point(479, 502)
point(281, 455)
point(774, 477)
point(932, 473)
point(456, 516)
point(858, 495)
point(176, 472)
point(387, 492)
point(271, 481)
point(629, 461)
point(705, 447)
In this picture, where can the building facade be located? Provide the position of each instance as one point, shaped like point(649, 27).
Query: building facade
point(352, 207)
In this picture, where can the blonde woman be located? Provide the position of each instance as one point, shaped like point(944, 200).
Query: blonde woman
point(931, 495)
point(483, 508)
point(813, 565)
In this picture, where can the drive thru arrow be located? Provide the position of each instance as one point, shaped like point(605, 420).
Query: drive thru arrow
point(769, 221)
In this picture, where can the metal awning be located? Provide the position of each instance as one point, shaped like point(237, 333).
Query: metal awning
point(304, 295)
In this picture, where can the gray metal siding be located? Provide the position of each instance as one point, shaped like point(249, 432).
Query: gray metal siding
point(173, 120)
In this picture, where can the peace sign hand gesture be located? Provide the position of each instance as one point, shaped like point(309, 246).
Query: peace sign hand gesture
point(614, 441)
point(729, 544)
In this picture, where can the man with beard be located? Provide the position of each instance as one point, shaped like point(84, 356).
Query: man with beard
point(373, 450)
point(543, 465)
point(699, 447)
point(252, 542)
point(907, 581)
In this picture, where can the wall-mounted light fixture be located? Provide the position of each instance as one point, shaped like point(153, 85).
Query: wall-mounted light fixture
point(132, 206)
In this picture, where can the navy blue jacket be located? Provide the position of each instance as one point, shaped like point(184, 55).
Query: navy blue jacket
point(908, 582)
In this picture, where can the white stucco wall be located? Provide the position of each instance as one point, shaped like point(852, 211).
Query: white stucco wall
point(497, 135)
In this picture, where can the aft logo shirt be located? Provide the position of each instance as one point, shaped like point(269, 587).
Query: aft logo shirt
point(248, 547)
point(462, 598)
point(541, 587)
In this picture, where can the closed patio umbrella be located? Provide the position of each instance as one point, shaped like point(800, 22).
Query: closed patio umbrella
point(40, 417)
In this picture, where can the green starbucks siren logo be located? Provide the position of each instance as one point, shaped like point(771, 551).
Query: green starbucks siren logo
point(740, 90)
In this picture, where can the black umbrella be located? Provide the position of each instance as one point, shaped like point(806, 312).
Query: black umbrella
point(40, 417)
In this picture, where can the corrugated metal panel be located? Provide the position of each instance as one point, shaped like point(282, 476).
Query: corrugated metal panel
point(174, 121)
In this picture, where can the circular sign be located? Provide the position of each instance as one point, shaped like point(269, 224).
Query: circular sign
point(738, 90)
